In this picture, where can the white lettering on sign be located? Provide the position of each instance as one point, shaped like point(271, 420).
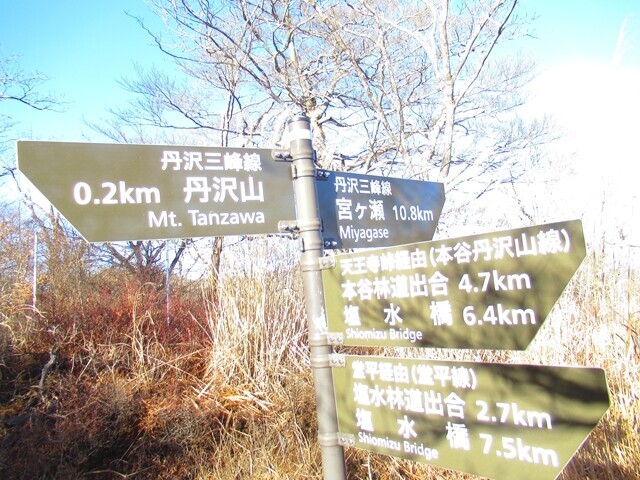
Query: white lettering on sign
point(396, 286)
point(441, 313)
point(348, 211)
point(420, 374)
point(414, 213)
point(385, 276)
point(379, 442)
point(392, 334)
point(367, 234)
point(165, 218)
point(365, 186)
point(204, 219)
point(115, 193)
point(405, 334)
point(394, 401)
point(416, 448)
point(366, 334)
point(210, 161)
point(483, 249)
point(495, 280)
point(516, 449)
point(373, 209)
point(221, 189)
point(498, 315)
point(512, 413)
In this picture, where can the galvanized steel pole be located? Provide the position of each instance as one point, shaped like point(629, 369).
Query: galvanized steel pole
point(309, 226)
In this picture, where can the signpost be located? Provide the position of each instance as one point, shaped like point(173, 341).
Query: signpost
point(370, 211)
point(114, 192)
point(484, 291)
point(308, 227)
point(493, 420)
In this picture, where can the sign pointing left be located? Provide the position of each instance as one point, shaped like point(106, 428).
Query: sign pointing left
point(117, 192)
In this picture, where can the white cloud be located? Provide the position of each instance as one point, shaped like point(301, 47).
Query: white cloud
point(597, 106)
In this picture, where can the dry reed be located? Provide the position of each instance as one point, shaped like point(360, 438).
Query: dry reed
point(224, 391)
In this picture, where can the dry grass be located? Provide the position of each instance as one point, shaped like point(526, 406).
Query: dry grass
point(604, 330)
point(224, 391)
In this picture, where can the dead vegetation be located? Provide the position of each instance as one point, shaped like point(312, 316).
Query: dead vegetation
point(98, 382)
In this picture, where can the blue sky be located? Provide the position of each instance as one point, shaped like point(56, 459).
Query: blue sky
point(85, 46)
point(580, 29)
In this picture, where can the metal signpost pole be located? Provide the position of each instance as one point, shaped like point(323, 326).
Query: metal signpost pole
point(309, 227)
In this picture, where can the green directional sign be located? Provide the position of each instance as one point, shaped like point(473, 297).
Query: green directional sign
point(489, 291)
point(113, 192)
point(505, 422)
point(372, 211)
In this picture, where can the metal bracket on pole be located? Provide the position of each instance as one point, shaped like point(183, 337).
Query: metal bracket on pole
point(315, 264)
point(338, 360)
point(281, 155)
point(322, 174)
point(336, 439)
point(327, 262)
point(331, 360)
point(329, 440)
point(318, 339)
point(299, 171)
point(310, 242)
point(329, 243)
point(320, 361)
point(336, 339)
point(313, 224)
point(288, 226)
point(346, 439)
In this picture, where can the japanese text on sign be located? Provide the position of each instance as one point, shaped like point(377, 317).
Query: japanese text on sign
point(440, 412)
point(113, 192)
point(398, 294)
point(213, 161)
point(367, 210)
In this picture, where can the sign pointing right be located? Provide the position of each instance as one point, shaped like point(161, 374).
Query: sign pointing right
point(490, 291)
point(505, 422)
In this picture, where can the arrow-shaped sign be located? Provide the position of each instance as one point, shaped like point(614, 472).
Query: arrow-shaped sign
point(113, 192)
point(371, 211)
point(489, 291)
point(505, 422)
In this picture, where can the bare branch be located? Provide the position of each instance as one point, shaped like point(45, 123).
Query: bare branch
point(22, 87)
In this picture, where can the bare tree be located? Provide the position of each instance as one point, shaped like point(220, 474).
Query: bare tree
point(24, 88)
point(249, 66)
point(437, 87)
point(427, 89)
point(19, 86)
